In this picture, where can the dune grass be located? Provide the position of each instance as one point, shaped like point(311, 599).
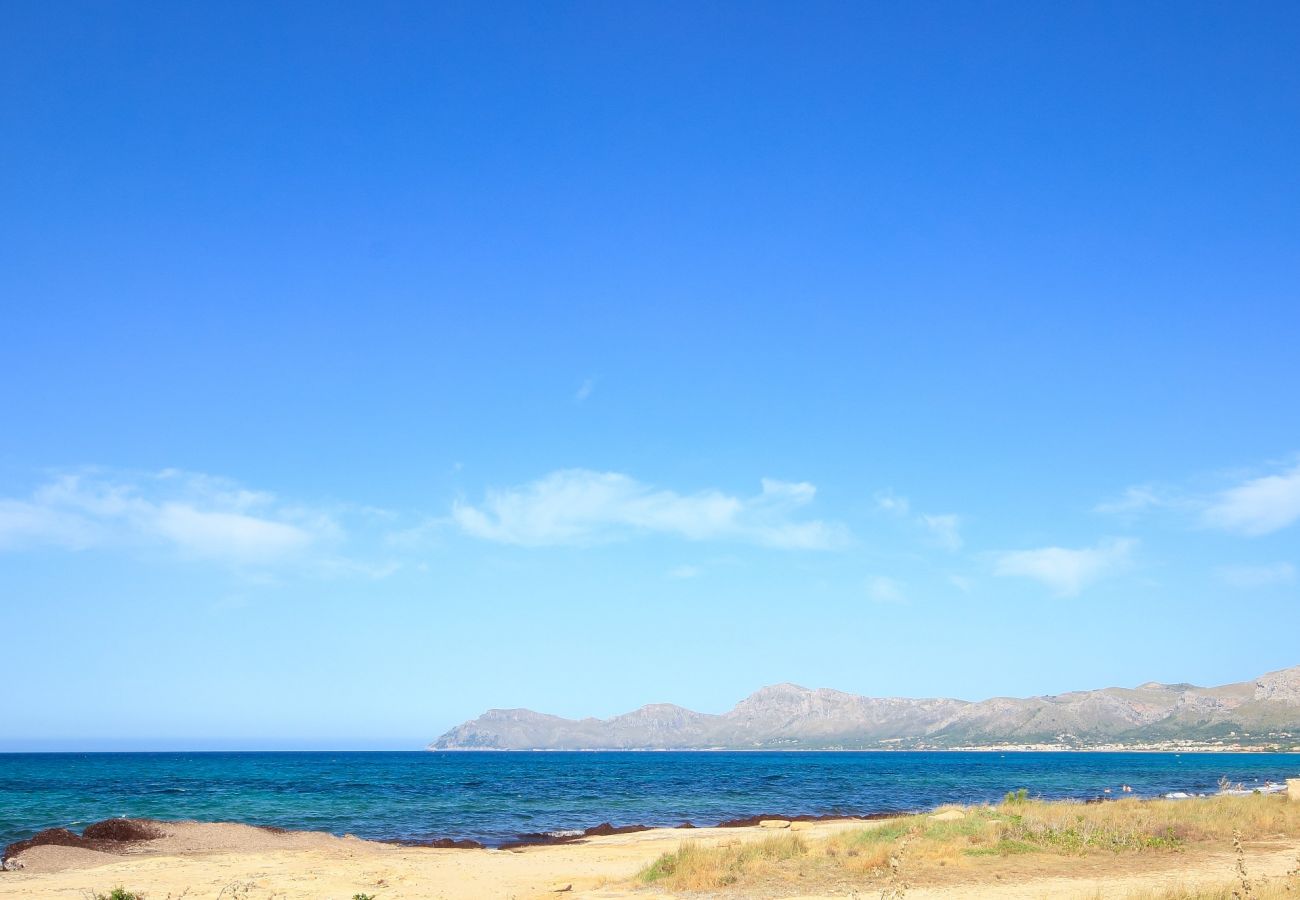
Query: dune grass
point(1018, 826)
point(693, 867)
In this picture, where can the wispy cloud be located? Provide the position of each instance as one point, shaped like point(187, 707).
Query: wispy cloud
point(888, 501)
point(882, 589)
point(580, 506)
point(197, 516)
point(1135, 499)
point(205, 518)
point(945, 530)
point(684, 572)
point(1253, 507)
point(1249, 577)
point(1258, 506)
point(30, 522)
point(585, 390)
point(1065, 571)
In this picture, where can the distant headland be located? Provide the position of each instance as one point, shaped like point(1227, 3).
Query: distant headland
point(1262, 714)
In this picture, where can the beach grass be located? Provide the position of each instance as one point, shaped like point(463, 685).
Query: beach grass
point(693, 867)
point(956, 836)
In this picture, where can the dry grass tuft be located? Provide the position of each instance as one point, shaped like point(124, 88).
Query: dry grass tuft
point(1148, 824)
point(875, 853)
point(692, 867)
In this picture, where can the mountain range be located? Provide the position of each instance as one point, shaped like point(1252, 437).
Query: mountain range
point(1264, 712)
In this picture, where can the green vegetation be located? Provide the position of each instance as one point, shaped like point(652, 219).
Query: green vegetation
point(955, 837)
point(692, 867)
point(117, 893)
point(1083, 833)
point(1014, 798)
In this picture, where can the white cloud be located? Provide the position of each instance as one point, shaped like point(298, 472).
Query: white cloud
point(684, 572)
point(1248, 577)
point(961, 582)
point(26, 523)
point(1066, 571)
point(944, 530)
point(882, 589)
point(585, 390)
point(1135, 499)
point(888, 501)
point(227, 535)
point(1259, 506)
point(579, 506)
point(196, 515)
point(1254, 507)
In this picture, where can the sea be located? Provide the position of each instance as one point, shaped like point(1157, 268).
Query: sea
point(495, 797)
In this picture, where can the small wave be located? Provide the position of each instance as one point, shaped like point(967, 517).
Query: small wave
point(1269, 787)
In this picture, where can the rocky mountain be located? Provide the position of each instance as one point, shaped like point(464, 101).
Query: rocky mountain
point(1262, 712)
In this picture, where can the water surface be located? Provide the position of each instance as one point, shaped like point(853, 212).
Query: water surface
point(493, 797)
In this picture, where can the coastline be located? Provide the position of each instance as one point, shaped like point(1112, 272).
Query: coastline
point(555, 833)
point(1172, 747)
point(124, 835)
point(433, 820)
point(206, 861)
point(201, 861)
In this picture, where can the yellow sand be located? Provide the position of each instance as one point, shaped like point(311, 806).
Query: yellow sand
point(233, 862)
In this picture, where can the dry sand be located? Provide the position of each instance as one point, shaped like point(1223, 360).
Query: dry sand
point(237, 862)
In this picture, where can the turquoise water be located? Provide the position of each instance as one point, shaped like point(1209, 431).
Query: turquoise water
point(494, 797)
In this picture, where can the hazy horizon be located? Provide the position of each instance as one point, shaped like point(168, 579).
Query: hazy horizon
point(366, 370)
point(325, 744)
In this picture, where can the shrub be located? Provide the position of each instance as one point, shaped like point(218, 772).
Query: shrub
point(692, 867)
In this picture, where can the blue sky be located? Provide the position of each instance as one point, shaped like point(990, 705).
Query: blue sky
point(365, 368)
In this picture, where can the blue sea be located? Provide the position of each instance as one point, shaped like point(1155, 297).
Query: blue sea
point(494, 797)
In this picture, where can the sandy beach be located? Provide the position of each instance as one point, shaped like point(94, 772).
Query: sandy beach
point(203, 861)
